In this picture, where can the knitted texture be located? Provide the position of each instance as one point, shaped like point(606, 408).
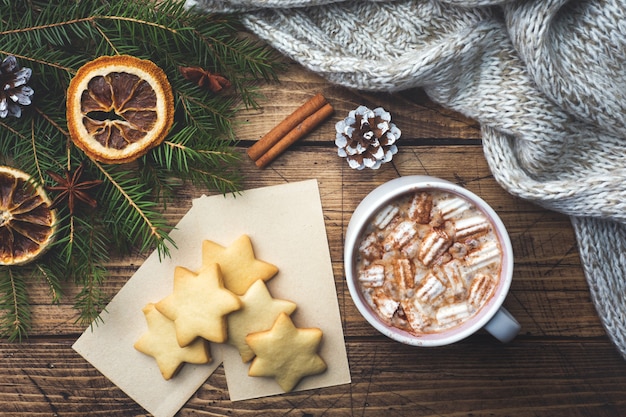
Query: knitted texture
point(545, 79)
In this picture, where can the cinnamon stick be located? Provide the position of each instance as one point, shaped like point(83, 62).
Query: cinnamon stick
point(288, 124)
point(290, 138)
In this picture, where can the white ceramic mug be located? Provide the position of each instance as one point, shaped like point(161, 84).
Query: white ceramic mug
point(492, 316)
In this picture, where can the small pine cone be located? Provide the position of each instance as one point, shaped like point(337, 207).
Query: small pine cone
point(366, 138)
point(14, 92)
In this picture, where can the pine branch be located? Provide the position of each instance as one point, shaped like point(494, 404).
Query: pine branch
point(57, 37)
point(133, 213)
point(14, 308)
point(51, 280)
point(88, 270)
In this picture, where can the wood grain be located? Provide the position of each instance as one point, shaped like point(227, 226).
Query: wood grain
point(473, 378)
point(562, 364)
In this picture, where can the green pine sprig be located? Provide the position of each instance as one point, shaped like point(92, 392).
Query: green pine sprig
point(14, 301)
point(54, 39)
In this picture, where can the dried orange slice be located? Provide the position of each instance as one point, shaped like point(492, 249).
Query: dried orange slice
point(119, 107)
point(27, 223)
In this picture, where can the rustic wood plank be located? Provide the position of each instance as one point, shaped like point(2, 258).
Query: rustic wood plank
point(412, 111)
point(555, 378)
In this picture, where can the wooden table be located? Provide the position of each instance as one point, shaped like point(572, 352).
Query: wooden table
point(562, 363)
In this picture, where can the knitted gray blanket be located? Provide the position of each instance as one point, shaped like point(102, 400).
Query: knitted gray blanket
point(546, 79)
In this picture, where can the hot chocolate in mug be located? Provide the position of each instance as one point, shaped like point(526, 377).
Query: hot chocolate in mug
point(429, 263)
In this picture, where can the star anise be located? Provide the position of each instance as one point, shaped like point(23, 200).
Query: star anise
point(72, 189)
point(205, 79)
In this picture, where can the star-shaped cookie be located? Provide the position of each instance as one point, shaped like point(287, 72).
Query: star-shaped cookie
point(240, 268)
point(286, 353)
point(160, 343)
point(199, 304)
point(258, 312)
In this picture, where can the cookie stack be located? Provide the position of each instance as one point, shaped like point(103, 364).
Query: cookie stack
point(227, 301)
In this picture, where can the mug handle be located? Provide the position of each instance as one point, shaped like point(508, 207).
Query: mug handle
point(503, 326)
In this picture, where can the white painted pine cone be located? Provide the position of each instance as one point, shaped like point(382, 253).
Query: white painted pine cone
point(367, 138)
